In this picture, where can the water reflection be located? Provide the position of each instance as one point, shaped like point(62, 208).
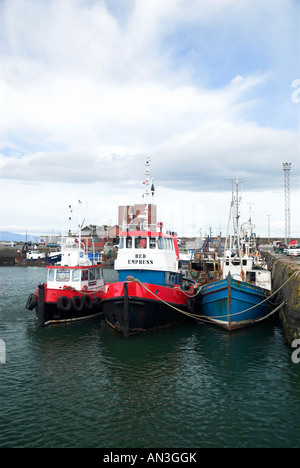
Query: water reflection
point(84, 385)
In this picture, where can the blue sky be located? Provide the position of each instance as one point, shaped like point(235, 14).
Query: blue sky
point(89, 88)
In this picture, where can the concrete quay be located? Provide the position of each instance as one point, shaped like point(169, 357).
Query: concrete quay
point(286, 279)
point(8, 255)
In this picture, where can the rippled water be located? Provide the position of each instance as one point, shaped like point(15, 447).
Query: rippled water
point(84, 385)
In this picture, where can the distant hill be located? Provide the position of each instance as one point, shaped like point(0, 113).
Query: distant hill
point(11, 236)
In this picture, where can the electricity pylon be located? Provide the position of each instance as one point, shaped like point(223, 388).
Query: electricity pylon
point(287, 169)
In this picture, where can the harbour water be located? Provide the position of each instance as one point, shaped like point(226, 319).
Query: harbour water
point(191, 386)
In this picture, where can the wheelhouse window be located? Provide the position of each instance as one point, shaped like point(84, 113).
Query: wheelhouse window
point(152, 242)
point(164, 243)
point(84, 275)
point(140, 242)
point(98, 272)
point(91, 275)
point(128, 242)
point(160, 243)
point(121, 244)
point(76, 275)
point(251, 277)
point(51, 275)
point(63, 275)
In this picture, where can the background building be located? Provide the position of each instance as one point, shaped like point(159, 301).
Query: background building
point(134, 215)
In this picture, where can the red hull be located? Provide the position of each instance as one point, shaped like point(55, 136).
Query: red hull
point(144, 307)
point(51, 295)
point(64, 305)
point(173, 295)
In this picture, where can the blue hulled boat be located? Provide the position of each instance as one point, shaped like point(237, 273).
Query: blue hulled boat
point(240, 295)
point(233, 304)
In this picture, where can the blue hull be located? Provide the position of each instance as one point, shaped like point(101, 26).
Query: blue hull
point(233, 304)
point(53, 260)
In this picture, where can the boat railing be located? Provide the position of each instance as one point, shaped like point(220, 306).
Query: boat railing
point(138, 227)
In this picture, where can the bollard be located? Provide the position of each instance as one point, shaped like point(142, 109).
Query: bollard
point(41, 305)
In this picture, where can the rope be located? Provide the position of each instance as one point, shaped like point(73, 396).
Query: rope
point(84, 291)
point(189, 314)
point(201, 317)
point(271, 313)
point(253, 307)
point(192, 295)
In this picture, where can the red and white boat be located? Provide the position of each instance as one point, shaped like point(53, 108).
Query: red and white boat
point(151, 292)
point(74, 287)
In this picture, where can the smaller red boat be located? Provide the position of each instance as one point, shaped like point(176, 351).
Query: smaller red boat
point(74, 287)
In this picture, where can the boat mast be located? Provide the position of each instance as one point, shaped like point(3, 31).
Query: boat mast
point(237, 216)
point(232, 235)
point(79, 227)
point(148, 194)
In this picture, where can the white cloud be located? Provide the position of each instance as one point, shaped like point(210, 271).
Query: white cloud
point(89, 88)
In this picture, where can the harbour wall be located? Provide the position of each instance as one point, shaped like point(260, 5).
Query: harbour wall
point(286, 280)
point(8, 255)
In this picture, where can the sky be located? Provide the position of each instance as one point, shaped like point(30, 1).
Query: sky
point(208, 89)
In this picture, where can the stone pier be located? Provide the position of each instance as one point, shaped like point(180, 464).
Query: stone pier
point(286, 279)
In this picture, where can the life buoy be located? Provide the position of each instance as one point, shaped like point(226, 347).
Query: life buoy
point(64, 304)
point(77, 303)
point(31, 301)
point(87, 302)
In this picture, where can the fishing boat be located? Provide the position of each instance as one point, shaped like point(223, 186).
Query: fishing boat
point(151, 292)
point(74, 287)
point(240, 295)
point(53, 257)
point(35, 257)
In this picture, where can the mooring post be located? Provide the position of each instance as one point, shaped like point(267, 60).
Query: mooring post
point(126, 311)
point(41, 305)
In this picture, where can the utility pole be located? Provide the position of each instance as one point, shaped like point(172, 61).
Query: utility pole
point(287, 169)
